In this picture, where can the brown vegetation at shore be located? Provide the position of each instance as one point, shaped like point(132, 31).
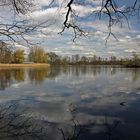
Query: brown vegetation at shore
point(25, 65)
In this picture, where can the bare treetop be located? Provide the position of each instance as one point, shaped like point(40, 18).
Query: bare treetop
point(109, 10)
point(13, 27)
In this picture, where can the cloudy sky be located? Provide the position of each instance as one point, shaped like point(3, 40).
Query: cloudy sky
point(96, 29)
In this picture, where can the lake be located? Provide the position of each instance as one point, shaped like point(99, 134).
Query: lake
point(77, 102)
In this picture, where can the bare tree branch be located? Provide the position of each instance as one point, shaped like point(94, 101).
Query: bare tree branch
point(18, 29)
point(109, 8)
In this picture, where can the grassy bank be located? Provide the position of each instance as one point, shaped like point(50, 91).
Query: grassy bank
point(25, 65)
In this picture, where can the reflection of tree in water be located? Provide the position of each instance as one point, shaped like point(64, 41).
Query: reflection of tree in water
point(84, 70)
point(7, 75)
point(135, 74)
point(37, 75)
point(15, 126)
point(19, 74)
point(113, 71)
point(54, 71)
point(5, 78)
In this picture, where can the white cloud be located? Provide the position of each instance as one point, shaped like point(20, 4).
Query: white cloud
point(130, 51)
point(111, 52)
point(95, 2)
point(81, 10)
point(128, 37)
point(42, 2)
point(98, 33)
point(43, 14)
point(138, 36)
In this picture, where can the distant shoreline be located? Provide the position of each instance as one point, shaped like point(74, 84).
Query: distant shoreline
point(25, 65)
point(47, 65)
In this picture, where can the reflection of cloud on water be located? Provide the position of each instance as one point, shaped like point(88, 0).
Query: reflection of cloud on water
point(16, 85)
point(20, 84)
point(93, 96)
point(84, 118)
point(48, 111)
point(50, 97)
point(58, 113)
point(114, 99)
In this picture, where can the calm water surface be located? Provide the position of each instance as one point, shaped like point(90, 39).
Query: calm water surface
point(105, 102)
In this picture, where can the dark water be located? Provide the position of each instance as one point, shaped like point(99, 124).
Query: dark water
point(84, 102)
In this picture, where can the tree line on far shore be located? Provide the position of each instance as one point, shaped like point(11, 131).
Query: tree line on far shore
point(39, 55)
point(53, 59)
